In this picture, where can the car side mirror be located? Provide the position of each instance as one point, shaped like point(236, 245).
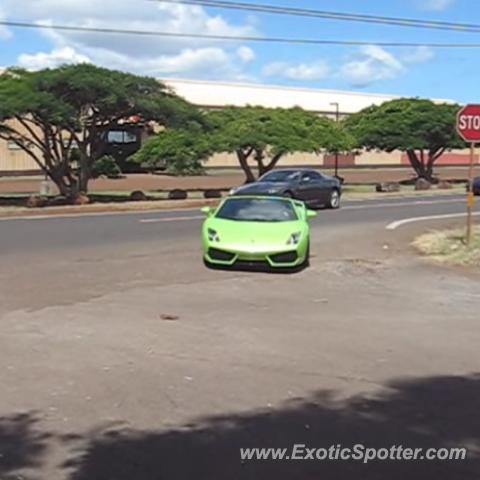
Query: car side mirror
point(207, 210)
point(305, 179)
point(311, 213)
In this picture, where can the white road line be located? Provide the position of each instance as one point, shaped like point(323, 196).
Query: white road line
point(170, 219)
point(405, 221)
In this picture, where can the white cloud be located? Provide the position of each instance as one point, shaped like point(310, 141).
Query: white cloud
point(367, 65)
point(435, 4)
point(138, 53)
point(246, 54)
point(301, 71)
point(58, 56)
point(199, 62)
point(371, 64)
point(419, 55)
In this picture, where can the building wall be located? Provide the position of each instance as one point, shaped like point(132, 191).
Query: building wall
point(13, 159)
point(219, 94)
point(455, 157)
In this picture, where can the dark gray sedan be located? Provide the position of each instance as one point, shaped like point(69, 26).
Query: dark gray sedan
point(310, 186)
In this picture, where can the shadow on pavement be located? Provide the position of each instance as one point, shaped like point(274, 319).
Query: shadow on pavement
point(22, 445)
point(428, 412)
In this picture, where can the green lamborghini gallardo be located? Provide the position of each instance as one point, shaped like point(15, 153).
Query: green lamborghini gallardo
point(257, 231)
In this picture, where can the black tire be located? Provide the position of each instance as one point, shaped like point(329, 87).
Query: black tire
point(306, 262)
point(334, 199)
point(288, 194)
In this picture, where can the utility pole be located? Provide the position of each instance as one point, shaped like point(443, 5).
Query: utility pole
point(337, 119)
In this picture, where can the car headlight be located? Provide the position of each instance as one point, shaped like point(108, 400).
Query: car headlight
point(294, 238)
point(213, 235)
point(232, 191)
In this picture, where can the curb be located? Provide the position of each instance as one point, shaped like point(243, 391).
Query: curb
point(124, 207)
point(172, 205)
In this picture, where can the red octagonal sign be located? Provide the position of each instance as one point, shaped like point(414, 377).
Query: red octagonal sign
point(468, 123)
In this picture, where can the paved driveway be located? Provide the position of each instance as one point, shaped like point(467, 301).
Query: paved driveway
point(370, 345)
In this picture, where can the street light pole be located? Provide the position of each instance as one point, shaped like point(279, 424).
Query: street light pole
point(337, 119)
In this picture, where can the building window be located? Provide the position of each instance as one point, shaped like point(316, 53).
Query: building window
point(121, 136)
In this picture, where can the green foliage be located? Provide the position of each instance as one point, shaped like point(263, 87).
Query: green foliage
point(274, 131)
point(422, 128)
point(98, 95)
point(106, 166)
point(72, 106)
point(265, 135)
point(180, 151)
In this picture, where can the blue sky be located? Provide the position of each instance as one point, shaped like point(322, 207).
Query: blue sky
point(408, 71)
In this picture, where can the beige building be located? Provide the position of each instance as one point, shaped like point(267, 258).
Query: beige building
point(13, 159)
point(211, 95)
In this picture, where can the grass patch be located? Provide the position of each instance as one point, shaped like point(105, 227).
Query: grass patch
point(358, 189)
point(449, 247)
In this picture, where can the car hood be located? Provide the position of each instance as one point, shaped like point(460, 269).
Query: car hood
point(261, 187)
point(260, 233)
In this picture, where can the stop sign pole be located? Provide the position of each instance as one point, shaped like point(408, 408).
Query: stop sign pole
point(468, 127)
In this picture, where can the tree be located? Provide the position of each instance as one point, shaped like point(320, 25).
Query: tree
point(51, 113)
point(263, 136)
point(181, 151)
point(421, 128)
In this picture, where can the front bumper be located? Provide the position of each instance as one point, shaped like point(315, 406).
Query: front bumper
point(286, 256)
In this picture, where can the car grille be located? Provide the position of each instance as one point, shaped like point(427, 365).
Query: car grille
point(287, 257)
point(220, 255)
point(254, 264)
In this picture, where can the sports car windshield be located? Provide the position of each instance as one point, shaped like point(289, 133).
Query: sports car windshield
point(280, 176)
point(257, 210)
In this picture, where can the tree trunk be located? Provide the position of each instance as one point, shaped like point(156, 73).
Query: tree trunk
point(273, 162)
point(84, 177)
point(417, 164)
point(429, 169)
point(59, 179)
point(259, 157)
point(243, 159)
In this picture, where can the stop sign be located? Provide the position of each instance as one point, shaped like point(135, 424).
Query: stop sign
point(468, 123)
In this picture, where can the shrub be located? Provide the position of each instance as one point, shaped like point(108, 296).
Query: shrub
point(138, 196)
point(106, 166)
point(212, 193)
point(177, 194)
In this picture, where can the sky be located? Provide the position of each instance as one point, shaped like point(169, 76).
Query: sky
point(422, 72)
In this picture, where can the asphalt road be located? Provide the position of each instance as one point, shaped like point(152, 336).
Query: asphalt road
point(122, 357)
point(37, 235)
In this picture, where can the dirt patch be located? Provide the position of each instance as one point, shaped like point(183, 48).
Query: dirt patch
point(449, 247)
point(152, 183)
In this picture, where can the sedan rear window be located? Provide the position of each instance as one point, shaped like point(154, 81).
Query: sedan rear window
point(257, 210)
point(280, 176)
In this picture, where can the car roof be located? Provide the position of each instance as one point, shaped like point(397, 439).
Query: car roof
point(292, 169)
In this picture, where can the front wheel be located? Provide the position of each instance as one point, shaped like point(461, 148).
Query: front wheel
point(306, 262)
point(334, 199)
